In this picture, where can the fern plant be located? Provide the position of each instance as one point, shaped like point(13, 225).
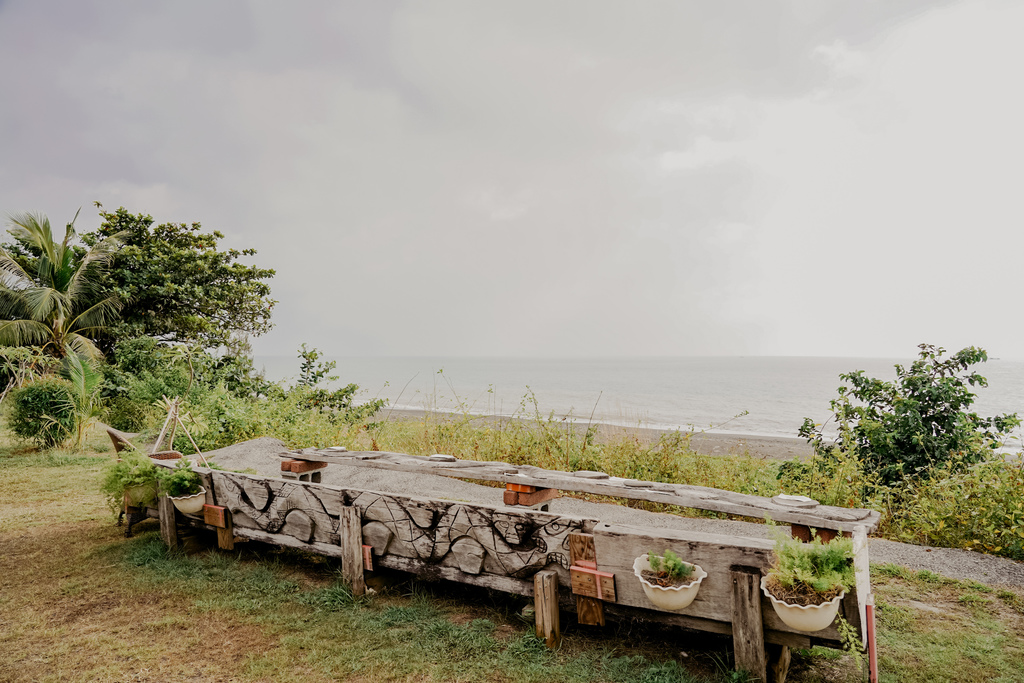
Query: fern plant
point(182, 480)
point(669, 568)
point(811, 573)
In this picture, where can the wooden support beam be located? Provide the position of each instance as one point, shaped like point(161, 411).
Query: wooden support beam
point(589, 610)
point(168, 521)
point(545, 606)
point(351, 528)
point(747, 627)
point(226, 533)
point(215, 515)
point(527, 476)
point(779, 657)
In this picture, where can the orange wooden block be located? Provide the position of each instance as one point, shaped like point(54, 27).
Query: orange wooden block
point(214, 515)
point(300, 466)
point(592, 583)
point(540, 496)
point(520, 488)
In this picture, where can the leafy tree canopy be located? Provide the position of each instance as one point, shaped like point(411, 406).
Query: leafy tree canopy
point(177, 286)
point(906, 427)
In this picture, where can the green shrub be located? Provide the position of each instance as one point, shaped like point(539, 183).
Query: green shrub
point(977, 507)
point(44, 411)
point(922, 420)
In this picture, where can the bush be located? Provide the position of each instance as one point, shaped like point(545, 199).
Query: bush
point(922, 420)
point(44, 411)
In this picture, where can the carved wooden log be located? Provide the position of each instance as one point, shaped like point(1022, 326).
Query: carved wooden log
point(699, 497)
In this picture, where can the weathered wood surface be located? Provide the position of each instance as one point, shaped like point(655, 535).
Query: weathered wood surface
point(862, 577)
point(351, 532)
point(504, 549)
point(588, 588)
point(779, 657)
point(474, 538)
point(747, 627)
point(699, 497)
point(545, 606)
point(617, 546)
point(168, 521)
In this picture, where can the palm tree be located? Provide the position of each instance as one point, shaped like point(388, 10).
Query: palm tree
point(47, 300)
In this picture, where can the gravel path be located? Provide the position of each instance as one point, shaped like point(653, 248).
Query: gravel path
point(263, 455)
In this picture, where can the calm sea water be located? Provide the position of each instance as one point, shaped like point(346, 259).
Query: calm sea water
point(704, 393)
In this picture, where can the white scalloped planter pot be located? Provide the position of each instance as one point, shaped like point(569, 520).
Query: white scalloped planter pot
point(806, 618)
point(673, 598)
point(190, 505)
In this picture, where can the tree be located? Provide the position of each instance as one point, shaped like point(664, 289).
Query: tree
point(176, 286)
point(50, 291)
point(906, 427)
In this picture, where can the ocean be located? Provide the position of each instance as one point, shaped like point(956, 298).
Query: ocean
point(710, 394)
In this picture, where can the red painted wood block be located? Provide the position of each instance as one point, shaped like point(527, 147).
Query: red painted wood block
point(511, 498)
point(214, 515)
point(520, 488)
point(592, 583)
point(300, 466)
point(540, 496)
point(368, 558)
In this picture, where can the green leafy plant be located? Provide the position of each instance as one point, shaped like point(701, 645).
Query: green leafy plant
point(44, 411)
point(810, 573)
point(50, 295)
point(133, 472)
point(906, 427)
point(669, 568)
point(181, 480)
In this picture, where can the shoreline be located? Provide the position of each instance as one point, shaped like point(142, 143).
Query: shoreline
point(705, 443)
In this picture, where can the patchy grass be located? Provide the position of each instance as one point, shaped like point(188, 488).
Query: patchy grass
point(78, 602)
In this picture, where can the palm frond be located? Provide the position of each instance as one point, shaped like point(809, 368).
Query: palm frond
point(82, 281)
point(43, 302)
point(11, 272)
point(96, 316)
point(35, 229)
point(23, 333)
point(83, 346)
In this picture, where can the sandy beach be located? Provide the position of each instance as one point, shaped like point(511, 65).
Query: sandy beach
point(709, 443)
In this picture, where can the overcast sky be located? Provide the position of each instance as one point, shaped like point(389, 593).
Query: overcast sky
point(553, 178)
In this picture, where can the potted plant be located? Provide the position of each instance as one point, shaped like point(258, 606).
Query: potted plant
point(669, 582)
point(130, 480)
point(808, 580)
point(184, 487)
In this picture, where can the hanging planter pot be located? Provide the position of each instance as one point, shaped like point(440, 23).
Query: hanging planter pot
point(807, 618)
point(674, 597)
point(190, 505)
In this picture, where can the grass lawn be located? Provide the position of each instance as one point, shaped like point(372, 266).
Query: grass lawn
point(79, 602)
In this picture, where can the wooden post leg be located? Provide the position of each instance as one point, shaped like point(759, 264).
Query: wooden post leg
point(168, 521)
point(226, 534)
point(352, 549)
point(779, 657)
point(545, 606)
point(747, 628)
